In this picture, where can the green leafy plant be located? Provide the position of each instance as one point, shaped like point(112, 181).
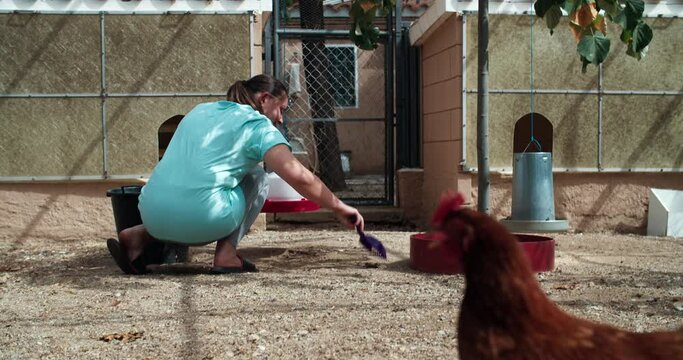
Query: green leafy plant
point(363, 31)
point(587, 23)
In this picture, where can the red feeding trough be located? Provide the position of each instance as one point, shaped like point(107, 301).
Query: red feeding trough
point(282, 198)
point(283, 206)
point(540, 251)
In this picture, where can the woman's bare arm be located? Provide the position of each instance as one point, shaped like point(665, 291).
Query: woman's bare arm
point(280, 159)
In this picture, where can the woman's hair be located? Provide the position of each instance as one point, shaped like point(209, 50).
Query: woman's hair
point(244, 91)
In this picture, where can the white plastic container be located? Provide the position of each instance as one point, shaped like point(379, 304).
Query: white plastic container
point(665, 213)
point(279, 190)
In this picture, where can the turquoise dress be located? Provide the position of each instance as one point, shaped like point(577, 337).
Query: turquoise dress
point(192, 196)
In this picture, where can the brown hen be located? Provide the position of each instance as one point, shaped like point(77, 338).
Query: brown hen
point(506, 315)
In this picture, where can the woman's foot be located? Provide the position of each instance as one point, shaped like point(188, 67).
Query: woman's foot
point(226, 255)
point(118, 252)
point(133, 241)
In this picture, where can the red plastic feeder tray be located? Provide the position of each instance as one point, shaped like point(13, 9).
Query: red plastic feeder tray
point(283, 206)
point(540, 251)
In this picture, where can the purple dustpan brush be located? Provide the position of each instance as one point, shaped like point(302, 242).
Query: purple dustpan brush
point(372, 243)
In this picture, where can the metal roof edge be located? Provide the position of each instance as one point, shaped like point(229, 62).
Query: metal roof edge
point(671, 8)
point(426, 24)
point(440, 10)
point(143, 7)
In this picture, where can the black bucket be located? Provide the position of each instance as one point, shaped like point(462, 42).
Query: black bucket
point(124, 201)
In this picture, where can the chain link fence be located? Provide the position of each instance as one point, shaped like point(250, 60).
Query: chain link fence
point(336, 120)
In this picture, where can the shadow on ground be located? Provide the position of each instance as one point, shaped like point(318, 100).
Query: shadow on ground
point(91, 267)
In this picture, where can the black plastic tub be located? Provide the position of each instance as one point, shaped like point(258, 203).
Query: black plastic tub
point(124, 202)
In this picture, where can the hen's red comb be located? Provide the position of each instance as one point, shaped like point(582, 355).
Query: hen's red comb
point(450, 201)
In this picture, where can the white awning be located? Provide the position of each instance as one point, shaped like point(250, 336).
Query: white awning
point(442, 9)
point(135, 7)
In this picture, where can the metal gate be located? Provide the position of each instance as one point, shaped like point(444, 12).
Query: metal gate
point(340, 120)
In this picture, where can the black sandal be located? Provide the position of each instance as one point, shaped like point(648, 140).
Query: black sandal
point(118, 252)
point(247, 266)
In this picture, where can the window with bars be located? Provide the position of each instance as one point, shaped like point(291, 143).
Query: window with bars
point(343, 74)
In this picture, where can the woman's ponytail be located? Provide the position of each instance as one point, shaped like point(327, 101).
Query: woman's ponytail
point(244, 91)
point(240, 94)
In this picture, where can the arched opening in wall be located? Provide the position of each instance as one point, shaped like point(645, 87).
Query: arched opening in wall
point(533, 133)
point(166, 131)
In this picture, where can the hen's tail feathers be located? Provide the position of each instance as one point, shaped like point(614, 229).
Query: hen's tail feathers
point(450, 201)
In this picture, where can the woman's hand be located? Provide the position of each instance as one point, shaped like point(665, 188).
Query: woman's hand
point(349, 216)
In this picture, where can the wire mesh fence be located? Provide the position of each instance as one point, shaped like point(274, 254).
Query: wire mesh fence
point(336, 120)
point(114, 77)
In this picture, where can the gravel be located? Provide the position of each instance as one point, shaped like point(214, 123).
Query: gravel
point(319, 295)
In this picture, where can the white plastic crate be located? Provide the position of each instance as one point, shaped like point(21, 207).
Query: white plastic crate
point(665, 213)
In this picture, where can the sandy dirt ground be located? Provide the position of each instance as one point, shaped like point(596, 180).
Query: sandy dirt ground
point(319, 295)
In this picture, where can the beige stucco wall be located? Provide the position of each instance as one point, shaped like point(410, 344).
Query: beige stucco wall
point(62, 211)
point(64, 136)
point(56, 211)
point(133, 125)
point(60, 54)
point(638, 131)
point(50, 54)
point(590, 201)
point(77, 210)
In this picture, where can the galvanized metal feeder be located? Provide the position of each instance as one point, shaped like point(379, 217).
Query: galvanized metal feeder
point(533, 200)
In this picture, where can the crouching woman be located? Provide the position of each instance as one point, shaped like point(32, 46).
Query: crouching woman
point(209, 186)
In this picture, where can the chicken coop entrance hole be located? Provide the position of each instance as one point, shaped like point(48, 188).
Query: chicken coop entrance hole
point(166, 131)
